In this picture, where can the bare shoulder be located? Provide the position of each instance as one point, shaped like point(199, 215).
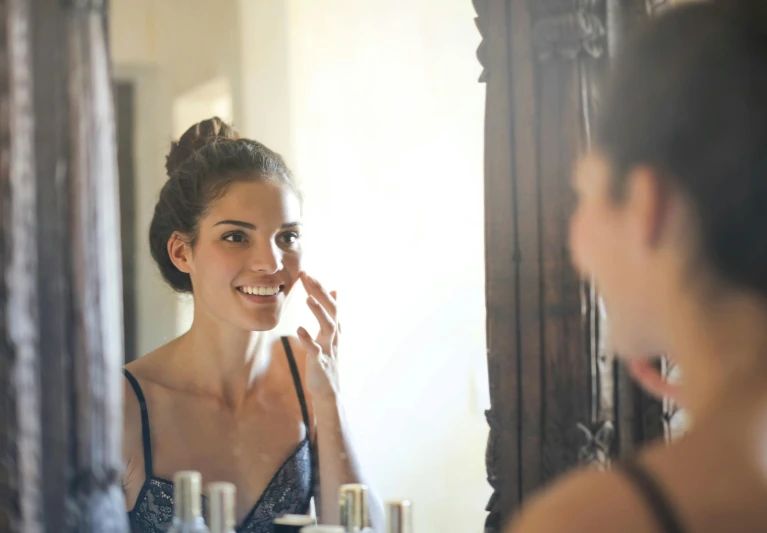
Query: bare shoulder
point(711, 480)
point(299, 355)
point(149, 366)
point(132, 444)
point(137, 370)
point(584, 501)
point(131, 417)
point(141, 371)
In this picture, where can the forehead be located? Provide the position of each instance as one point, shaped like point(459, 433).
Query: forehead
point(257, 201)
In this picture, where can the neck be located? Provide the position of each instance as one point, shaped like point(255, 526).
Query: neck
point(222, 361)
point(720, 346)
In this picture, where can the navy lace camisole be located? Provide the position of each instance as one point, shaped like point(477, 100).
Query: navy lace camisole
point(288, 492)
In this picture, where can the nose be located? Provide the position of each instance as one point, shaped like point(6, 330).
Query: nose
point(266, 257)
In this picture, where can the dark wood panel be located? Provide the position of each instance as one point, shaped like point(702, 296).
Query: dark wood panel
point(565, 363)
point(501, 268)
point(526, 202)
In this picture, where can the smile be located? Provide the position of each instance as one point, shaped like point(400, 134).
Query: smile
point(261, 291)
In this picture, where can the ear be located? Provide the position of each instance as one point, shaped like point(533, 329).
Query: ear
point(180, 252)
point(648, 203)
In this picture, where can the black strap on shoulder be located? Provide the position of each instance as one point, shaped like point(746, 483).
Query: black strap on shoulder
point(144, 423)
point(297, 382)
point(653, 495)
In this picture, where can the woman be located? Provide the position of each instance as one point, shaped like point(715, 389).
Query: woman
point(226, 398)
point(672, 223)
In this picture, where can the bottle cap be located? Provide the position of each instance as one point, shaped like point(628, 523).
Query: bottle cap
point(399, 516)
point(353, 506)
point(187, 498)
point(221, 503)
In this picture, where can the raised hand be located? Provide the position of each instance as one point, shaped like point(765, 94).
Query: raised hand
point(321, 352)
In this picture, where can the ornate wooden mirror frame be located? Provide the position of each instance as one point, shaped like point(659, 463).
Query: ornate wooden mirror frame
point(558, 398)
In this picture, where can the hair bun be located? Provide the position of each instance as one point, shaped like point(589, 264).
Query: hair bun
point(196, 137)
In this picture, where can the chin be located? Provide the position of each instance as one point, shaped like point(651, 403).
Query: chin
point(264, 322)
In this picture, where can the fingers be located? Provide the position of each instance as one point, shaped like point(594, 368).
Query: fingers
point(335, 340)
point(334, 294)
point(314, 288)
point(313, 349)
point(327, 324)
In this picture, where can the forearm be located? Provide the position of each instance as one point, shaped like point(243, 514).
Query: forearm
point(338, 464)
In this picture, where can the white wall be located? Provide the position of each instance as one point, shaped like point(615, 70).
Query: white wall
point(265, 73)
point(387, 121)
point(171, 49)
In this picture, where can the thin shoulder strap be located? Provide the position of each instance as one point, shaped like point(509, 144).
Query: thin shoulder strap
point(296, 381)
point(144, 423)
point(653, 495)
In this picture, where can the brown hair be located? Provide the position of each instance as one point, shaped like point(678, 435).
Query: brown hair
point(689, 98)
point(201, 166)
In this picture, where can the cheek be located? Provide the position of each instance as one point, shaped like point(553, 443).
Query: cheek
point(580, 237)
point(217, 263)
point(594, 242)
point(292, 266)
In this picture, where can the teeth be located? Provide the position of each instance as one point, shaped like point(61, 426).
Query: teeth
point(261, 291)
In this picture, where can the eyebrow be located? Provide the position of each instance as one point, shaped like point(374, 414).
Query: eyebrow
point(248, 225)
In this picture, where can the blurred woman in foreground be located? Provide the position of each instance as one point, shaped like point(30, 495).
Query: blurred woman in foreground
point(672, 224)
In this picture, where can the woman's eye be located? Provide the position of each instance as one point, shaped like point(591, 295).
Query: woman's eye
point(235, 237)
point(289, 237)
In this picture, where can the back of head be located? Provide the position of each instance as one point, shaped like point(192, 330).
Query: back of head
point(688, 97)
point(201, 165)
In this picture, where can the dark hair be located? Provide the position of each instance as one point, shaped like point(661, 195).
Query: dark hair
point(205, 161)
point(689, 98)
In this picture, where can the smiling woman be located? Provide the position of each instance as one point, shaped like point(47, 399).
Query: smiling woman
point(228, 399)
point(246, 249)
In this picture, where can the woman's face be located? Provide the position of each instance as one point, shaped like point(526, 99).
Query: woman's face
point(615, 242)
point(248, 254)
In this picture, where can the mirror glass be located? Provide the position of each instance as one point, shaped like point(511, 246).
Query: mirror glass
point(376, 108)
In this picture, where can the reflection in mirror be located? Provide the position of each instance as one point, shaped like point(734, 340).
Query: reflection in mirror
point(383, 132)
